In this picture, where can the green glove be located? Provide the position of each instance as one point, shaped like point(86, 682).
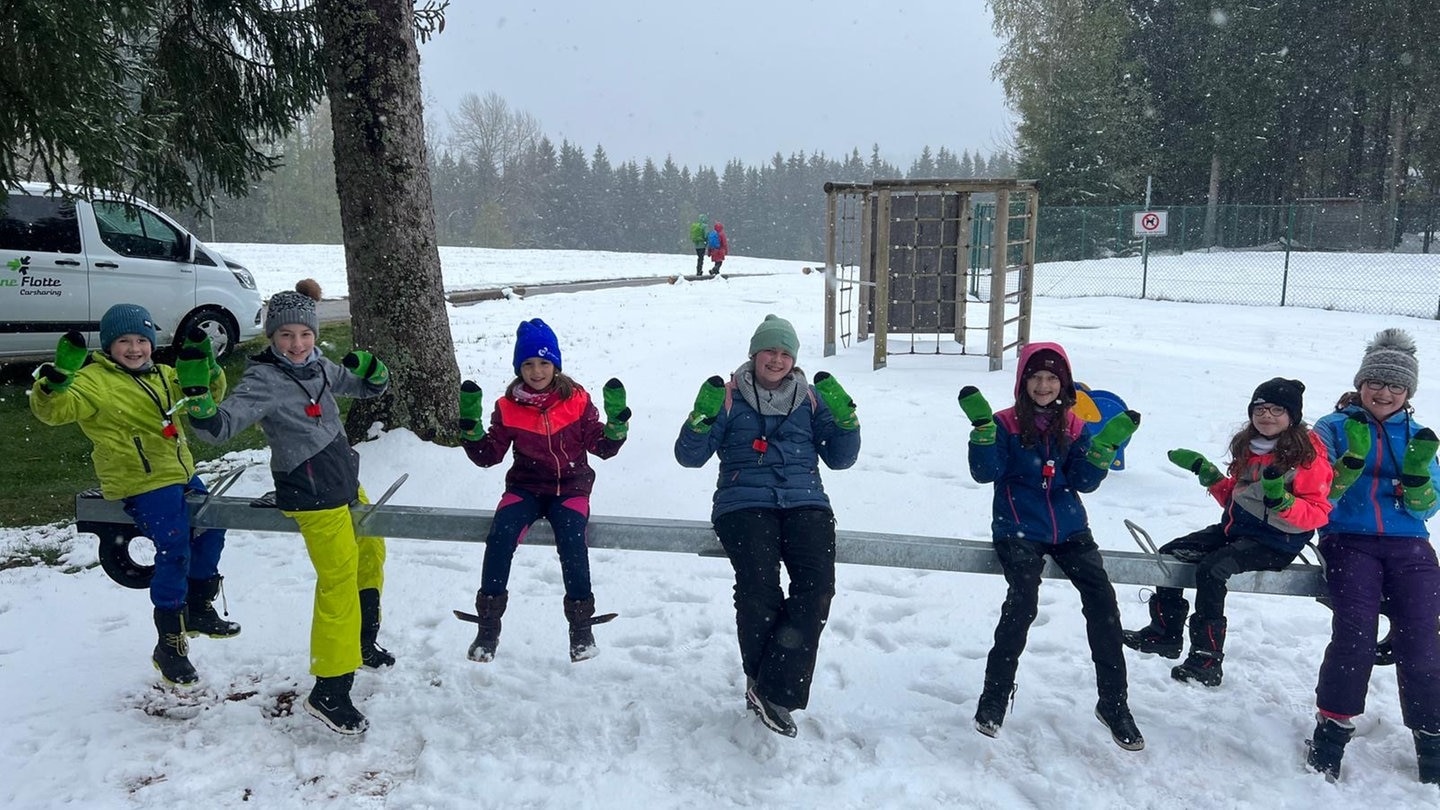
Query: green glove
point(977, 410)
point(472, 409)
point(197, 338)
point(707, 405)
point(1196, 463)
point(1352, 462)
point(366, 366)
point(1277, 497)
point(70, 354)
point(193, 369)
point(1114, 433)
point(617, 415)
point(1415, 471)
point(839, 402)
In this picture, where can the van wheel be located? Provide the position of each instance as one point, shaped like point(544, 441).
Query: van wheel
point(224, 334)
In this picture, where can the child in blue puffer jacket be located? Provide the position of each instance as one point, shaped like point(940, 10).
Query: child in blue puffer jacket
point(1040, 456)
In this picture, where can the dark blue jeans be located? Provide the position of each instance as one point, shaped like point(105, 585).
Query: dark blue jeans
point(569, 518)
point(779, 635)
point(1360, 570)
point(180, 554)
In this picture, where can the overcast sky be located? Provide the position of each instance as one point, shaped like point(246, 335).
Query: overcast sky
point(708, 82)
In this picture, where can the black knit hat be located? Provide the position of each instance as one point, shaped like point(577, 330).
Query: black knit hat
point(1288, 394)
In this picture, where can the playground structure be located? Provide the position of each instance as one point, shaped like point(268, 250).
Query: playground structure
point(946, 266)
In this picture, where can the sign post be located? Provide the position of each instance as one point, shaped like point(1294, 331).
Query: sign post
point(1146, 224)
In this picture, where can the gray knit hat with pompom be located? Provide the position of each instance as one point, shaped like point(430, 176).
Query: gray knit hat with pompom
point(1390, 359)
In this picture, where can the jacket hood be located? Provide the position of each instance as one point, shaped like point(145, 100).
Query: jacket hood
point(1028, 353)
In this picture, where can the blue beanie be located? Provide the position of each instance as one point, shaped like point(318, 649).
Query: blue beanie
point(535, 338)
point(125, 319)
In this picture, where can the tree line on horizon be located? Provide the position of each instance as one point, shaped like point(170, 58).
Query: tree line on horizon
point(498, 181)
point(1223, 101)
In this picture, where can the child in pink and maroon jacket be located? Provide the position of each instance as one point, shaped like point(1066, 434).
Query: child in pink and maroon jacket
point(553, 425)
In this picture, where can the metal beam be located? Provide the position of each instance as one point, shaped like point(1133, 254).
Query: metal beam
point(697, 537)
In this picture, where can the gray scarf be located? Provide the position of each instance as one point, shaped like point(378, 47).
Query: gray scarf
point(781, 401)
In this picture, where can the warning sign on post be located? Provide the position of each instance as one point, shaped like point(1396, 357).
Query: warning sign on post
point(1152, 223)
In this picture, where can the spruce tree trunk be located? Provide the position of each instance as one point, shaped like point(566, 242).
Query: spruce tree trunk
point(397, 302)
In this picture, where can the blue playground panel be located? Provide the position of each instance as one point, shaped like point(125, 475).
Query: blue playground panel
point(1098, 406)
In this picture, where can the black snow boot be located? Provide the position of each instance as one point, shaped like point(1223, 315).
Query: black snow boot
point(1115, 714)
point(995, 700)
point(1165, 634)
point(1427, 749)
point(1385, 651)
point(488, 610)
point(330, 703)
point(1207, 653)
point(775, 717)
point(171, 651)
point(201, 618)
point(579, 613)
point(372, 655)
point(1327, 746)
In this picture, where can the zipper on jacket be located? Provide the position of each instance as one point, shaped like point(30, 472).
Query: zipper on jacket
point(550, 445)
point(140, 451)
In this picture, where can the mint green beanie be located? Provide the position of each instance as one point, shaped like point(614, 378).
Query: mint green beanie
point(775, 333)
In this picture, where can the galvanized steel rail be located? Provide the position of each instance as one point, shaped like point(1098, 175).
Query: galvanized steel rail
point(108, 520)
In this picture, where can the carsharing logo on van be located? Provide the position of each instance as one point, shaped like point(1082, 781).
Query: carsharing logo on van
point(20, 265)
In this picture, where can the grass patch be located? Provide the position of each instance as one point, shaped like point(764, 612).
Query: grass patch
point(46, 466)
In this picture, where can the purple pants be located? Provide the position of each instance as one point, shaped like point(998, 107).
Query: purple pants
point(1361, 569)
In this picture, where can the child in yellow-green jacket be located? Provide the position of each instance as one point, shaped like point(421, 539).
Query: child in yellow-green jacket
point(128, 406)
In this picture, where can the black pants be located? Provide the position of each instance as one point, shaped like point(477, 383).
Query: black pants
point(780, 636)
point(1079, 558)
point(1224, 557)
point(699, 260)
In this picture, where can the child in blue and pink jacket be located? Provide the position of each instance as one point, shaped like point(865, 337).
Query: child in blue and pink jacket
point(1040, 456)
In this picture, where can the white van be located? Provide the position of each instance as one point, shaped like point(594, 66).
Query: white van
point(64, 261)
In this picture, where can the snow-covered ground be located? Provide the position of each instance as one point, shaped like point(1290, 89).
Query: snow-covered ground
point(659, 720)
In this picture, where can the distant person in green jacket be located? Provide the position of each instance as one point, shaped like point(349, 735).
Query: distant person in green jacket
point(128, 406)
point(700, 238)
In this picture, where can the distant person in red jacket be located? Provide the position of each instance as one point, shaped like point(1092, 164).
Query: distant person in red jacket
point(719, 246)
point(553, 426)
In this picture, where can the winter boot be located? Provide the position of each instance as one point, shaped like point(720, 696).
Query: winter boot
point(1115, 714)
point(1327, 746)
point(330, 703)
point(1385, 651)
point(488, 610)
point(579, 612)
point(995, 700)
point(201, 618)
point(775, 717)
point(372, 655)
point(1427, 748)
point(1165, 634)
point(1207, 653)
point(170, 653)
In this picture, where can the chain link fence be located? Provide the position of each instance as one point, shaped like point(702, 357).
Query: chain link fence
point(1339, 254)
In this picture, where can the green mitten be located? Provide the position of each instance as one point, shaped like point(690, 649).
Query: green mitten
point(708, 403)
point(70, 353)
point(192, 367)
point(1114, 433)
point(1208, 474)
point(472, 409)
point(366, 366)
point(837, 401)
point(1277, 497)
point(1415, 471)
point(977, 410)
point(197, 338)
point(617, 414)
point(1352, 462)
